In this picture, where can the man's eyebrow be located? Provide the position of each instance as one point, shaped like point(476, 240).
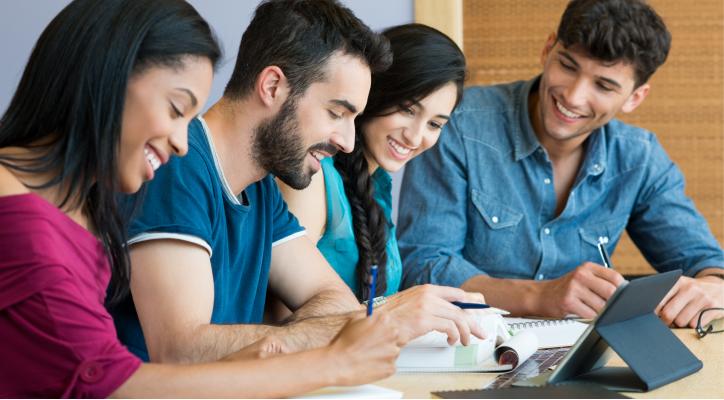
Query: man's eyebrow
point(194, 101)
point(346, 104)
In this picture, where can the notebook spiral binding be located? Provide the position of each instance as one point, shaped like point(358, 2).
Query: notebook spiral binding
point(539, 323)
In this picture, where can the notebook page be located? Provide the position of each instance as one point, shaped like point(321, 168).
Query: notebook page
point(550, 332)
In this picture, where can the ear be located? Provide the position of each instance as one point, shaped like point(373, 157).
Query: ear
point(271, 86)
point(636, 98)
point(550, 42)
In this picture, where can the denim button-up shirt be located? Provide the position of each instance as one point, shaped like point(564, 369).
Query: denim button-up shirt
point(482, 201)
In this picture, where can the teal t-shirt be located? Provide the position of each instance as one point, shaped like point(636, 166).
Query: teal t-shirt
point(338, 245)
point(190, 200)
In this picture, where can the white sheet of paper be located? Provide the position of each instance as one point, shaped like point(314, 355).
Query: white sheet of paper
point(352, 392)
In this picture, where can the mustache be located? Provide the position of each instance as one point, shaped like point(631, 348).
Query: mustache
point(324, 148)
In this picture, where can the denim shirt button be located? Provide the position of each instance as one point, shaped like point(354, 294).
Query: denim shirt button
point(494, 219)
point(540, 277)
point(547, 231)
point(547, 181)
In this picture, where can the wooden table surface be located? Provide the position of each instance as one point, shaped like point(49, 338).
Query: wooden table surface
point(708, 382)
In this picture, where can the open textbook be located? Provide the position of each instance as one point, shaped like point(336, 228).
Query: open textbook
point(499, 351)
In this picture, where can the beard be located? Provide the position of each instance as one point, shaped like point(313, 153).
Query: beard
point(278, 147)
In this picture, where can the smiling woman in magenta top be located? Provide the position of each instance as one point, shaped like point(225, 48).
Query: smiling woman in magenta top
point(105, 100)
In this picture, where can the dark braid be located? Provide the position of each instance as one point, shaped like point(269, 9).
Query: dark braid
point(368, 220)
point(424, 60)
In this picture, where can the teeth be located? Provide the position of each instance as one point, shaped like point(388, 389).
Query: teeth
point(317, 155)
point(152, 159)
point(565, 111)
point(398, 148)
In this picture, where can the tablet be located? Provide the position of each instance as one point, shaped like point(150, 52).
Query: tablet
point(627, 325)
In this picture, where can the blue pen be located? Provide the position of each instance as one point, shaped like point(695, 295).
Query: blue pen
point(373, 285)
point(464, 305)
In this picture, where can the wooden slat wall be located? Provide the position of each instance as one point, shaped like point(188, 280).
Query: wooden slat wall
point(503, 40)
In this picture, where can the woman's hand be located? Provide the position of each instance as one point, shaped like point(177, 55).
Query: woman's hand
point(421, 309)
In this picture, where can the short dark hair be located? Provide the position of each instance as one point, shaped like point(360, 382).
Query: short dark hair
point(424, 61)
point(72, 93)
point(612, 30)
point(299, 36)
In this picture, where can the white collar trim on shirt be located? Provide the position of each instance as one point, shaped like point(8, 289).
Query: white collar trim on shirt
point(227, 188)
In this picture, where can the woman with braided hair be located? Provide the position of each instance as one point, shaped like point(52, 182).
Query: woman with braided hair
point(347, 208)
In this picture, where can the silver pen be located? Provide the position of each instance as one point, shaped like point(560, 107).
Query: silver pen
point(604, 254)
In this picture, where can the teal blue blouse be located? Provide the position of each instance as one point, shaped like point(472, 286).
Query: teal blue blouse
point(338, 245)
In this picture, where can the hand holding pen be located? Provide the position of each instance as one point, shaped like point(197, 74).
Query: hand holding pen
point(583, 291)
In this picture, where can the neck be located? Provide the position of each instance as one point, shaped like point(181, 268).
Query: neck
point(231, 124)
point(371, 163)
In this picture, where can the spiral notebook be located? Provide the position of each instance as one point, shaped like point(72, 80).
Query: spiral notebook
point(550, 332)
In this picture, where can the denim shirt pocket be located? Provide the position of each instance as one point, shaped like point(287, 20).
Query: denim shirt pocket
point(608, 231)
point(494, 239)
point(496, 215)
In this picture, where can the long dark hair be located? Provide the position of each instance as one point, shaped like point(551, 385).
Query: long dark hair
point(69, 103)
point(424, 60)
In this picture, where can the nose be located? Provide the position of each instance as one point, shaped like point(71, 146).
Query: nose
point(576, 93)
point(414, 133)
point(179, 141)
point(344, 140)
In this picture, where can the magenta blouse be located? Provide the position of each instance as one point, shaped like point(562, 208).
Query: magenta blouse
point(56, 337)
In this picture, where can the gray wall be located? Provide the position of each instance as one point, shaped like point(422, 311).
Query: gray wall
point(22, 21)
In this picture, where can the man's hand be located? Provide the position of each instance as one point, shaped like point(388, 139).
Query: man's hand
point(424, 308)
point(688, 297)
point(583, 291)
point(365, 350)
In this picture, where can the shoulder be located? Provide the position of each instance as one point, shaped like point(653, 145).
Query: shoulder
point(309, 205)
point(33, 231)
point(486, 111)
point(9, 184)
point(489, 99)
point(193, 176)
point(632, 148)
point(633, 141)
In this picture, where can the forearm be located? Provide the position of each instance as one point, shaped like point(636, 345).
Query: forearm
point(275, 377)
point(315, 332)
point(519, 296)
point(326, 303)
point(210, 342)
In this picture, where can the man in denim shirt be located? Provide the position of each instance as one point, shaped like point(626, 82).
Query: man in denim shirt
point(529, 176)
